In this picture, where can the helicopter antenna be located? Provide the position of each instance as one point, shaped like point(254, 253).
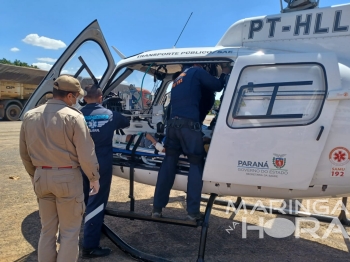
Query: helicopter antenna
point(183, 30)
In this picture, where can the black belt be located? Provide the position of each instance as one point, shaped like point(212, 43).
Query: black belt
point(177, 122)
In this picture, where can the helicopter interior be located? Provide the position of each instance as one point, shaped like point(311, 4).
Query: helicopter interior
point(142, 92)
point(154, 77)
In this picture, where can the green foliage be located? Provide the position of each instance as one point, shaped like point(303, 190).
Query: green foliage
point(16, 63)
point(216, 104)
point(5, 61)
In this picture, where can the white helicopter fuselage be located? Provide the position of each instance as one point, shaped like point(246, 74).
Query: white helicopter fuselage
point(283, 128)
point(309, 45)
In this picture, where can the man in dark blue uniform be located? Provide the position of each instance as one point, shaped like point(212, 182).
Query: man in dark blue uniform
point(206, 103)
point(102, 124)
point(184, 136)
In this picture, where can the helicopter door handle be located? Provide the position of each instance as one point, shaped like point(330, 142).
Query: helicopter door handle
point(320, 133)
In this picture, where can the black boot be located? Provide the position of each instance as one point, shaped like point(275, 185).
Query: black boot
point(96, 252)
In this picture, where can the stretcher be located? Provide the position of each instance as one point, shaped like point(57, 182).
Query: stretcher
point(146, 155)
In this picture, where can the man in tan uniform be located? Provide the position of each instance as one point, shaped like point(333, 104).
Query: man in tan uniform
point(54, 143)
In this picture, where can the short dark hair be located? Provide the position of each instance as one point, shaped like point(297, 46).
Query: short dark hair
point(61, 93)
point(93, 91)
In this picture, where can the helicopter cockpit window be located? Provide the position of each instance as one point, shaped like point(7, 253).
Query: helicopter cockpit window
point(135, 85)
point(273, 96)
point(96, 61)
point(155, 80)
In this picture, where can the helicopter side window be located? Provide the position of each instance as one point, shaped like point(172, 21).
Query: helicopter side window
point(290, 95)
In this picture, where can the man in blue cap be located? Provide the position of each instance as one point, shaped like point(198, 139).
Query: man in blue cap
point(102, 123)
point(184, 136)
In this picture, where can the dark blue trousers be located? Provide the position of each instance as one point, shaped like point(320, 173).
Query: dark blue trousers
point(190, 142)
point(95, 206)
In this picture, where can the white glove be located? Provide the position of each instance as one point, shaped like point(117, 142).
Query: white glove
point(94, 187)
point(159, 147)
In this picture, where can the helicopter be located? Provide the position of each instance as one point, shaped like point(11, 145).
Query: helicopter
point(282, 130)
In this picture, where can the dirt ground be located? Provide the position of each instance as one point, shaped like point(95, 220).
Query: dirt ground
point(20, 225)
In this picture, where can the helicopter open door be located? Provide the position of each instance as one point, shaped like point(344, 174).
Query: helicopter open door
point(87, 58)
point(274, 120)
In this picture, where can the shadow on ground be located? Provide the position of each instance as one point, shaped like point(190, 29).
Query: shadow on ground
point(181, 243)
point(31, 231)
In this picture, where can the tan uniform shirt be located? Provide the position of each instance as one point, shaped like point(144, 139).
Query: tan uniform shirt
point(56, 135)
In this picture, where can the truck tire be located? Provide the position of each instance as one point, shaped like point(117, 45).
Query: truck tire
point(12, 112)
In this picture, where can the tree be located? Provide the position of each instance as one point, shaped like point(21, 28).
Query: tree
point(16, 63)
point(5, 61)
point(216, 104)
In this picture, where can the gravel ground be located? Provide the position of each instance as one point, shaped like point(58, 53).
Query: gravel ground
point(20, 225)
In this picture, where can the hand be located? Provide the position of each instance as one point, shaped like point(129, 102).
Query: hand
point(160, 147)
point(94, 187)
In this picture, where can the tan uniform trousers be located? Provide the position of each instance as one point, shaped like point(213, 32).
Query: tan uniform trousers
point(61, 206)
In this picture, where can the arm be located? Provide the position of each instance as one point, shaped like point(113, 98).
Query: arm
point(126, 138)
point(85, 149)
point(210, 82)
point(23, 151)
point(168, 112)
point(157, 145)
point(120, 121)
point(151, 138)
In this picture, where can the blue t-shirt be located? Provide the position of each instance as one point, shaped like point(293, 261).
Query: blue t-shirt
point(102, 123)
point(187, 91)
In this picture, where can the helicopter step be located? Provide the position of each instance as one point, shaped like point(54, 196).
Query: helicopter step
point(167, 220)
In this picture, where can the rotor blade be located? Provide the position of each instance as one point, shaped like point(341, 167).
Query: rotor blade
point(119, 53)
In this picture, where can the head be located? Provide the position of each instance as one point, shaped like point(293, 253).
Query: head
point(93, 94)
point(67, 89)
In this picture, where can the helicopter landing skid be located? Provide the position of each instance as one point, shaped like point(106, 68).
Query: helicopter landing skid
point(324, 218)
point(121, 244)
